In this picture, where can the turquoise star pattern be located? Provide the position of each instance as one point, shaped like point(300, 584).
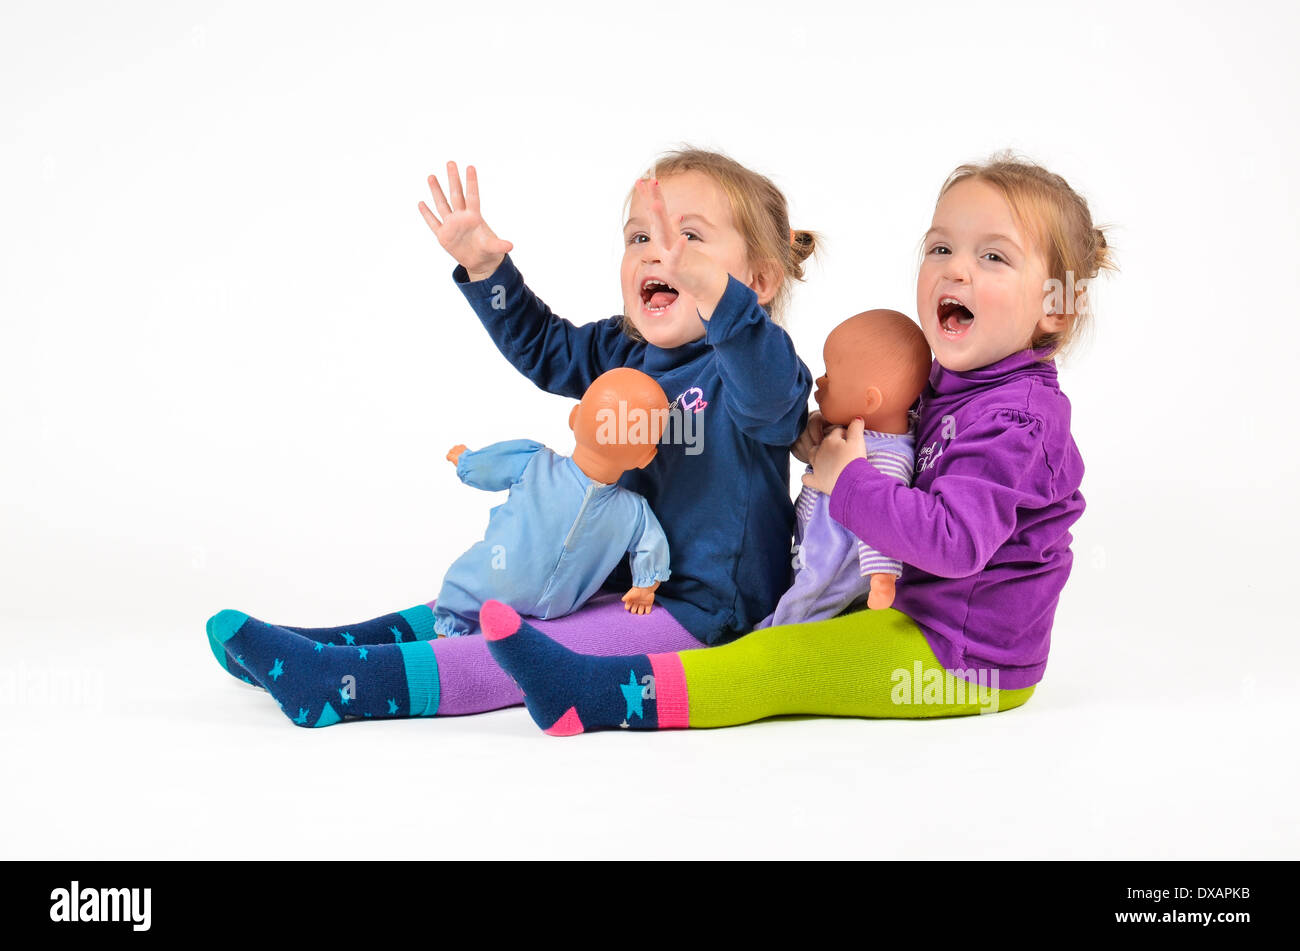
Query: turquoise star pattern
point(392, 706)
point(632, 694)
point(319, 647)
point(343, 695)
point(362, 652)
point(276, 670)
point(348, 638)
point(397, 632)
point(302, 716)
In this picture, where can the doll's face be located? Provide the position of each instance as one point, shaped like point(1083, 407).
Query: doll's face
point(979, 292)
point(841, 392)
point(696, 204)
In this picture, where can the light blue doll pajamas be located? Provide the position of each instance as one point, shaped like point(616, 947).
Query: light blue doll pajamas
point(551, 545)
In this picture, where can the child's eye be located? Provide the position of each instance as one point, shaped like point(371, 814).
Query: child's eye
point(637, 238)
point(691, 236)
point(939, 249)
point(994, 256)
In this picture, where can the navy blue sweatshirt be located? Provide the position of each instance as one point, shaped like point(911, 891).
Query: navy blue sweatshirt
point(720, 485)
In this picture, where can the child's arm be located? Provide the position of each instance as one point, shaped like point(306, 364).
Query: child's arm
point(766, 382)
point(649, 551)
point(994, 467)
point(556, 355)
point(494, 467)
point(553, 353)
point(767, 385)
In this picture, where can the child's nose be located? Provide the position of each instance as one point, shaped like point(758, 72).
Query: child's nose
point(956, 268)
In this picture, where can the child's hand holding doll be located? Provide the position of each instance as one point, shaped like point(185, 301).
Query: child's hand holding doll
point(838, 447)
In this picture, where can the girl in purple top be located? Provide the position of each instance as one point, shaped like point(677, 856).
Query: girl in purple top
point(983, 531)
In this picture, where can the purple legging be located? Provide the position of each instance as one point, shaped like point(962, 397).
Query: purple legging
point(471, 682)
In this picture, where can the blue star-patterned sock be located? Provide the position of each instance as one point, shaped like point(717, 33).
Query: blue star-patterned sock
point(412, 624)
point(317, 684)
point(566, 692)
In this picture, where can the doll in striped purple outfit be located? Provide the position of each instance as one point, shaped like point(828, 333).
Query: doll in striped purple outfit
point(877, 364)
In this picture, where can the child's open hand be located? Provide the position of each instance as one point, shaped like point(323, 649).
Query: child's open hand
point(462, 231)
point(686, 268)
point(838, 448)
point(454, 453)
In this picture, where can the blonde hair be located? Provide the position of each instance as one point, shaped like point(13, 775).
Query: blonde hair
point(760, 213)
point(1060, 224)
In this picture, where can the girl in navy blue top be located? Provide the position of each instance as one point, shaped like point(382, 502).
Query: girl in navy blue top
point(709, 255)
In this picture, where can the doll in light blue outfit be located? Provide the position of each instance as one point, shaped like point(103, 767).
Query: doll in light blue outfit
point(566, 524)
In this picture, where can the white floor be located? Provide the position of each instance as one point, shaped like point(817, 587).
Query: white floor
point(123, 743)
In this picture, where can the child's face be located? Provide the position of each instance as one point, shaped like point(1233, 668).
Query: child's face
point(979, 293)
point(698, 208)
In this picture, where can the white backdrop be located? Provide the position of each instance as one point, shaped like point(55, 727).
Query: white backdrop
point(234, 359)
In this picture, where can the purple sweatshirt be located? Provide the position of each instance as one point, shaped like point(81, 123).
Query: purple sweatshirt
point(984, 531)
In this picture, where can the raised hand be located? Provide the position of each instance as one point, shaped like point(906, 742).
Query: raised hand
point(685, 267)
point(454, 453)
point(462, 231)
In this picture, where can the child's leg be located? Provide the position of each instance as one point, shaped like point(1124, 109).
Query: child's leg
point(865, 664)
point(412, 624)
point(440, 677)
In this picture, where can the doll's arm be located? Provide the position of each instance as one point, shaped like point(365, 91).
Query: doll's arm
point(640, 600)
point(494, 467)
point(993, 468)
point(556, 355)
point(896, 460)
point(649, 551)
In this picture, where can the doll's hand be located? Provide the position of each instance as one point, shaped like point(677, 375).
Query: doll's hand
point(462, 231)
point(805, 447)
point(685, 267)
point(453, 454)
point(882, 592)
point(838, 448)
point(640, 600)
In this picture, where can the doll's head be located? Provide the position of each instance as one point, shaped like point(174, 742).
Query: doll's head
point(618, 423)
point(1006, 264)
point(740, 219)
point(877, 363)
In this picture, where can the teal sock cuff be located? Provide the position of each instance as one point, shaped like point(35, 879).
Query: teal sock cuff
point(420, 618)
point(421, 676)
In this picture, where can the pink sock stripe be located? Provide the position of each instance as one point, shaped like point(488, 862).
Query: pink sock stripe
point(567, 725)
point(670, 692)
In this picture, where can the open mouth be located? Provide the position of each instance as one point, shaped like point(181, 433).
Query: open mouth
point(656, 296)
point(955, 318)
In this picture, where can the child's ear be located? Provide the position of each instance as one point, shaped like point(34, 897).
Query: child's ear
point(573, 418)
point(1052, 324)
point(766, 281)
point(874, 399)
